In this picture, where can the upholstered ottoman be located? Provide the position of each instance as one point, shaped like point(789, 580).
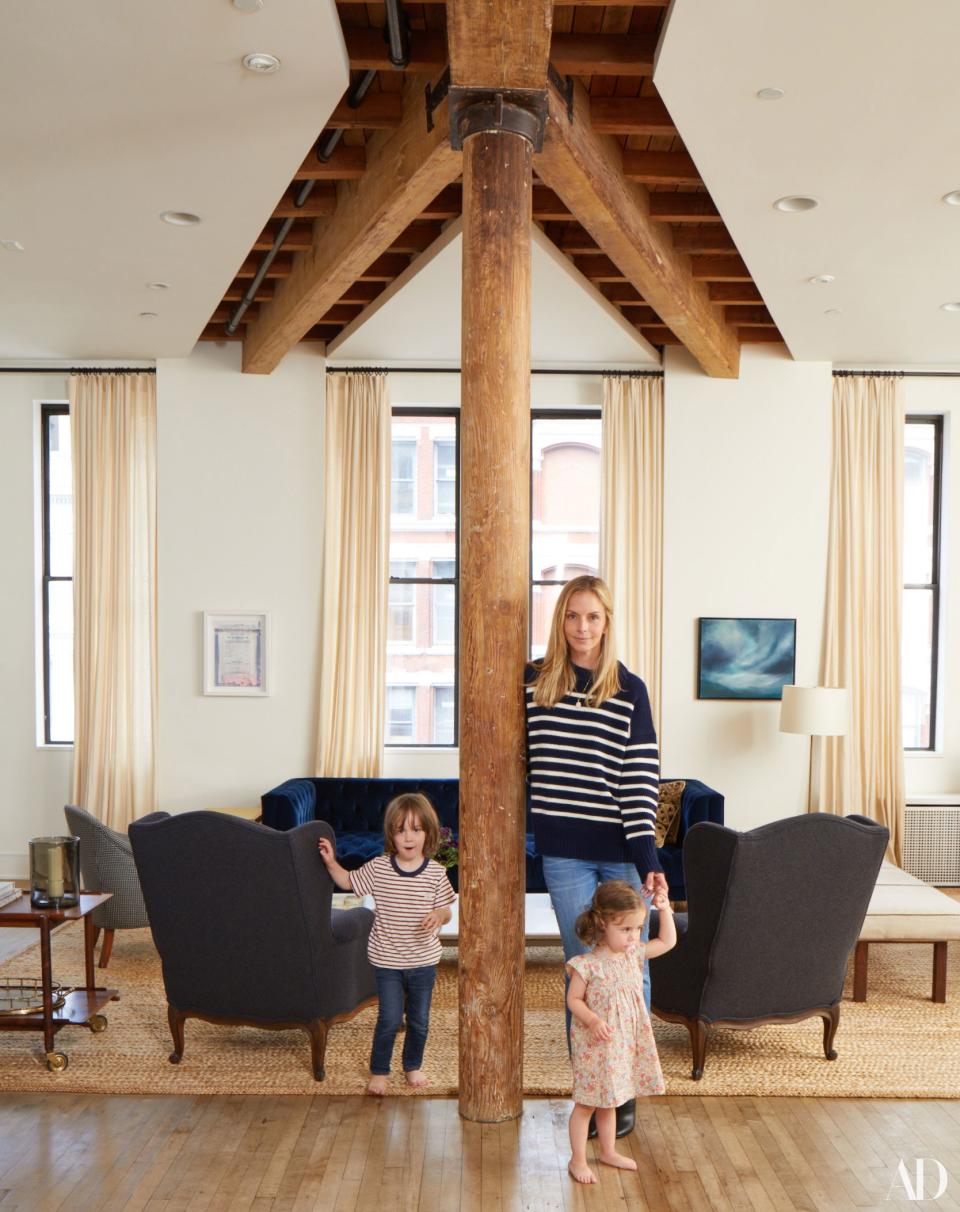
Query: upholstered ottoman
point(903, 909)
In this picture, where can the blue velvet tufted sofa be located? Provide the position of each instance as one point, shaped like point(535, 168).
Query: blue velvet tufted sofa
point(355, 807)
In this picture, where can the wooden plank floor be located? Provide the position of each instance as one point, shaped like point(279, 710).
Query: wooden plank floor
point(290, 1154)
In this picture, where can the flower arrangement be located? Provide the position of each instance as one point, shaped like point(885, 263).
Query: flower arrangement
point(447, 854)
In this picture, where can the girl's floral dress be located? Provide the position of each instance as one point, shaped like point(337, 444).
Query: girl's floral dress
point(607, 1074)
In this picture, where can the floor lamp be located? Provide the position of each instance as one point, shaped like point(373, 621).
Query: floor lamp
point(814, 711)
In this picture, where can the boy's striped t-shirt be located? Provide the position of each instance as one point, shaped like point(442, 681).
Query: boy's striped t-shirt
point(594, 774)
point(403, 899)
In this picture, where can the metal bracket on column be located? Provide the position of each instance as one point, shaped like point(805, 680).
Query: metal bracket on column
point(436, 94)
point(520, 111)
point(564, 86)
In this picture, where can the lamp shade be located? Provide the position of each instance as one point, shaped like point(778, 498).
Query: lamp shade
point(815, 710)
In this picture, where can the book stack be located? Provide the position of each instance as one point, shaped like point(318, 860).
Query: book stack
point(8, 891)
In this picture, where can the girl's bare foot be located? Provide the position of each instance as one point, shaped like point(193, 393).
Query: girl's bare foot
point(582, 1173)
point(377, 1084)
point(416, 1077)
point(618, 1160)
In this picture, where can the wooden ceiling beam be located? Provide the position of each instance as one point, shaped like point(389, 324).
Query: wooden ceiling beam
point(238, 290)
point(748, 316)
point(578, 242)
point(734, 292)
point(298, 238)
point(599, 269)
point(683, 208)
point(377, 111)
point(499, 43)
point(758, 336)
point(622, 293)
point(631, 116)
point(448, 204)
point(281, 267)
point(406, 168)
point(322, 202)
point(362, 292)
point(586, 170)
point(603, 54)
point(346, 164)
point(368, 49)
point(659, 334)
point(719, 269)
point(415, 238)
point(660, 168)
point(703, 240)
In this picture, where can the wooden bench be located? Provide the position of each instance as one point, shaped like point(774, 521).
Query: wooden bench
point(903, 909)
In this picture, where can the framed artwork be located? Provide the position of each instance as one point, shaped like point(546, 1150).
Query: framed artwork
point(236, 652)
point(746, 658)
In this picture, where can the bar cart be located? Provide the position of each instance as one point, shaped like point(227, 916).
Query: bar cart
point(45, 1007)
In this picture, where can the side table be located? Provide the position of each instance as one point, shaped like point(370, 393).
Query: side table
point(82, 1006)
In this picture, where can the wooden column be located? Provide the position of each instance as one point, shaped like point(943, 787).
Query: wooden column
point(494, 571)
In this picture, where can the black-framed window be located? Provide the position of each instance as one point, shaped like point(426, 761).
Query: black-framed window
point(422, 657)
point(565, 486)
point(922, 496)
point(57, 563)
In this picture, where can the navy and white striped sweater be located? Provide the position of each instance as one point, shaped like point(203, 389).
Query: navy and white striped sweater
point(594, 774)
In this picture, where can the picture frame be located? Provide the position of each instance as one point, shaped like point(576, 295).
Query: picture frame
point(236, 652)
point(745, 659)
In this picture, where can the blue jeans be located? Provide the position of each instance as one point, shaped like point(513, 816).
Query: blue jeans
point(571, 883)
point(396, 986)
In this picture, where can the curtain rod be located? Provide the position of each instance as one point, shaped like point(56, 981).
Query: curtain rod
point(78, 370)
point(899, 374)
point(455, 370)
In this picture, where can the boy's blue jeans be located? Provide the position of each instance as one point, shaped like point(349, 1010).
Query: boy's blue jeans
point(571, 883)
point(397, 987)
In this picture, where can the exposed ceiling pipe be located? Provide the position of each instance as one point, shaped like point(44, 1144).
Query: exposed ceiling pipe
point(398, 37)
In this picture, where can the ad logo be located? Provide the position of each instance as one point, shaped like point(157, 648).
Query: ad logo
point(917, 1185)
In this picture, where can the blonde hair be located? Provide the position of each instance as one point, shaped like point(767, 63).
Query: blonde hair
point(555, 673)
point(610, 901)
point(411, 803)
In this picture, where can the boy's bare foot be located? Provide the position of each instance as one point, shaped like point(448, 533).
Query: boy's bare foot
point(583, 1174)
point(377, 1084)
point(618, 1160)
point(416, 1077)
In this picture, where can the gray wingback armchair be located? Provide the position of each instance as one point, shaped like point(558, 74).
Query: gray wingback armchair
point(242, 918)
point(773, 915)
point(106, 865)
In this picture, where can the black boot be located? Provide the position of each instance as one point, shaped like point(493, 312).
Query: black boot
point(626, 1120)
point(626, 1117)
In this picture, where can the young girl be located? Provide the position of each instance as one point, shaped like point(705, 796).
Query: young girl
point(612, 1047)
point(413, 898)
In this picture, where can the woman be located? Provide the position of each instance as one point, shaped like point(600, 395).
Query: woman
point(593, 767)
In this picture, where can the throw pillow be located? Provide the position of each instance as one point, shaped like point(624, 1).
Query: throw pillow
point(668, 813)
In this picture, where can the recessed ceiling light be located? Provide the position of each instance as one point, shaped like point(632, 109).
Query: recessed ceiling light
point(833, 311)
point(795, 202)
point(158, 286)
point(180, 218)
point(11, 245)
point(950, 306)
point(769, 94)
point(952, 198)
point(148, 315)
point(261, 63)
point(821, 279)
point(248, 6)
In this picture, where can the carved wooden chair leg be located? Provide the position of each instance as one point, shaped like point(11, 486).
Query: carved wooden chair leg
point(176, 1018)
point(831, 1021)
point(106, 949)
point(699, 1031)
point(318, 1046)
point(861, 957)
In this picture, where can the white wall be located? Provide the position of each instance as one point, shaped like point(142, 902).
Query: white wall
point(746, 508)
point(939, 773)
point(240, 528)
point(36, 780)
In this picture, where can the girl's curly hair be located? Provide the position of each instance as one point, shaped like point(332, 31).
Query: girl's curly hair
point(611, 900)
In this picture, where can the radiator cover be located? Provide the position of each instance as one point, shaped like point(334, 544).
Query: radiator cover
point(931, 842)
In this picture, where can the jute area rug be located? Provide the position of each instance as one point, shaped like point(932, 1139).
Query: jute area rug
point(896, 1045)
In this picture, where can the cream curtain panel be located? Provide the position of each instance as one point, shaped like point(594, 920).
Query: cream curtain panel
point(863, 771)
point(114, 426)
point(631, 525)
point(356, 502)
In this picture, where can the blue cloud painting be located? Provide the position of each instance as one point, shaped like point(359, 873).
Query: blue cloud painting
point(746, 658)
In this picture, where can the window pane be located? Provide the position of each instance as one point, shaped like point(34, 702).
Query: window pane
point(60, 704)
point(918, 502)
point(565, 496)
point(421, 648)
point(443, 715)
point(401, 707)
point(445, 476)
point(402, 477)
point(544, 599)
point(917, 666)
point(59, 503)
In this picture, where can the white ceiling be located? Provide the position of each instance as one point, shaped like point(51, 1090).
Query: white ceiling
point(417, 318)
point(868, 126)
point(112, 111)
